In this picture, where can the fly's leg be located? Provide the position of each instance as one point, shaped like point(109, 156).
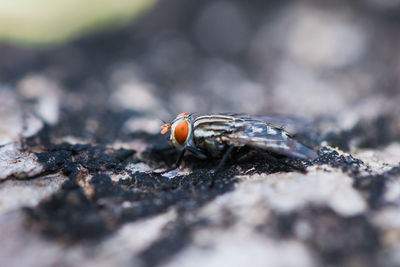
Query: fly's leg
point(221, 164)
point(224, 158)
point(196, 152)
point(176, 165)
point(178, 161)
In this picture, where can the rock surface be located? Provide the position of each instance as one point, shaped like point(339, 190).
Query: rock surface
point(79, 141)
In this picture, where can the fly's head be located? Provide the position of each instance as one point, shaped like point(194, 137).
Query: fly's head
point(181, 130)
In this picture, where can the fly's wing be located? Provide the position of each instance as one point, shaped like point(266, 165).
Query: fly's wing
point(262, 135)
point(292, 124)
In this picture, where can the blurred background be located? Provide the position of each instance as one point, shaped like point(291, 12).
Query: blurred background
point(99, 68)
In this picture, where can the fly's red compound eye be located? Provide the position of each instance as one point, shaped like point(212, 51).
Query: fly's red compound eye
point(182, 115)
point(181, 131)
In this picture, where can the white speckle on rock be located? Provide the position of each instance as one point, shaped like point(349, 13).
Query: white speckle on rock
point(135, 96)
point(32, 125)
point(31, 249)
point(138, 167)
point(142, 124)
point(73, 140)
point(177, 172)
point(138, 95)
point(388, 221)
point(17, 193)
point(366, 109)
point(388, 218)
point(287, 192)
point(11, 125)
point(17, 163)
point(392, 193)
point(45, 92)
point(239, 248)
point(380, 160)
point(129, 240)
point(303, 229)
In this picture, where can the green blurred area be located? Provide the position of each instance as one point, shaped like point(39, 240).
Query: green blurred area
point(50, 22)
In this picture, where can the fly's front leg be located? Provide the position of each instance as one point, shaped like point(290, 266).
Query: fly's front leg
point(177, 163)
point(196, 152)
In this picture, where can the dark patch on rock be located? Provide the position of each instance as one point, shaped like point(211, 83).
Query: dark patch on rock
point(162, 249)
point(67, 158)
point(368, 133)
point(104, 187)
point(155, 194)
point(69, 215)
point(147, 196)
point(174, 238)
point(161, 153)
point(371, 185)
point(54, 161)
point(346, 163)
point(374, 186)
point(335, 239)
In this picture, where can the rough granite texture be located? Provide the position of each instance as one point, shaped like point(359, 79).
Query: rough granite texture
point(79, 140)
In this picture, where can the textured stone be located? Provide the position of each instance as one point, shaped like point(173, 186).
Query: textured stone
point(81, 155)
point(15, 162)
point(288, 192)
point(15, 194)
point(11, 125)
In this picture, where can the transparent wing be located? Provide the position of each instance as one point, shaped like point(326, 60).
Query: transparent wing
point(265, 136)
point(293, 125)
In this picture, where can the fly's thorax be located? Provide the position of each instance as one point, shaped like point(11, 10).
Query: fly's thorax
point(213, 145)
point(208, 131)
point(181, 131)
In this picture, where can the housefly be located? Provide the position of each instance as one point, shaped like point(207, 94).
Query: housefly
point(217, 135)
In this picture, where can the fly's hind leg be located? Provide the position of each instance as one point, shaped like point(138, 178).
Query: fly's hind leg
point(221, 164)
point(224, 158)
